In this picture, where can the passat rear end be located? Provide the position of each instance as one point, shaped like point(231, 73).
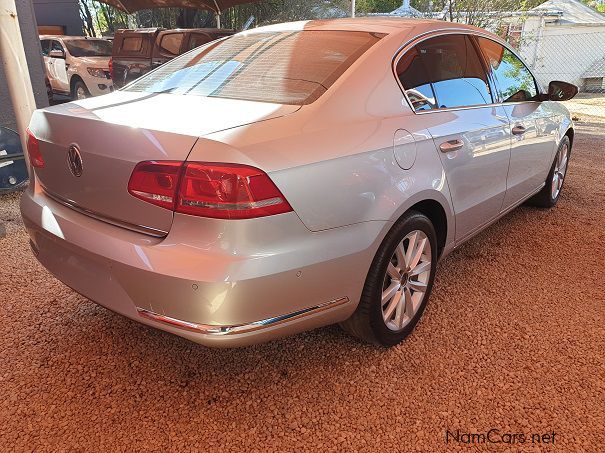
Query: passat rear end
point(125, 209)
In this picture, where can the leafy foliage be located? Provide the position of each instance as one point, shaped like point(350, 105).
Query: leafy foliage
point(100, 18)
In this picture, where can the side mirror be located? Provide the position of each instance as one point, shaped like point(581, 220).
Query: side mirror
point(57, 54)
point(561, 91)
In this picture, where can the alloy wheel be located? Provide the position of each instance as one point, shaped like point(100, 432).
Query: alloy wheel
point(406, 280)
point(80, 92)
point(559, 171)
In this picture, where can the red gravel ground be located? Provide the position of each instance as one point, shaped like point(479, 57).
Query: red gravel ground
point(513, 339)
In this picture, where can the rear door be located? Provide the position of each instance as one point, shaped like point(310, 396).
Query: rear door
point(532, 127)
point(446, 83)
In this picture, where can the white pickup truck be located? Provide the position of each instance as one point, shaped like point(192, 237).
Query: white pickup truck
point(76, 66)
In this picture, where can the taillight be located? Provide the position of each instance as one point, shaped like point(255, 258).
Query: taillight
point(156, 182)
point(224, 191)
point(33, 151)
point(228, 191)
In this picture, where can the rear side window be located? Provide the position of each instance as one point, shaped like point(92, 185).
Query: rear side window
point(280, 67)
point(132, 44)
point(515, 82)
point(444, 72)
point(171, 43)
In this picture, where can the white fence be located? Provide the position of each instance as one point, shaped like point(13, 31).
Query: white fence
point(578, 58)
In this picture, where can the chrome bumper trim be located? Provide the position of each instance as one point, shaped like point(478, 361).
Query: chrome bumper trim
point(211, 329)
point(87, 212)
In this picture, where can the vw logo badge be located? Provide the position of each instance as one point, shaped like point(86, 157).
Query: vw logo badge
point(74, 160)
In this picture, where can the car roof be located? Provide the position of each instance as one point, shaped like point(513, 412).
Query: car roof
point(375, 24)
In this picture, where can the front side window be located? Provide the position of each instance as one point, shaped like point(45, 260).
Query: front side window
point(515, 82)
point(444, 72)
point(280, 67)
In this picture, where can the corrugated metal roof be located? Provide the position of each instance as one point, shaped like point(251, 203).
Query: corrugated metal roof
point(573, 11)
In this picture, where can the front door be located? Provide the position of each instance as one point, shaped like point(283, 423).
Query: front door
point(58, 68)
point(45, 45)
point(446, 83)
point(533, 129)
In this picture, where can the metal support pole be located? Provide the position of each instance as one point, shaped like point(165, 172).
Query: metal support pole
point(218, 15)
point(352, 8)
point(12, 56)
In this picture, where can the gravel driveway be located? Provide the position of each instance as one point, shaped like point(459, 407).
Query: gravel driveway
point(513, 340)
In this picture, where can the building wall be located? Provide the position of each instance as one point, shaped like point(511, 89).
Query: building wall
point(65, 13)
point(567, 51)
point(530, 39)
point(562, 51)
point(29, 33)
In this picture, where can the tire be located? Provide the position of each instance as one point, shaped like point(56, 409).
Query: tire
point(548, 196)
point(370, 321)
point(79, 90)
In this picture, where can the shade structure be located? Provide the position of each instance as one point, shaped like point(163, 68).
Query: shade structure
point(131, 6)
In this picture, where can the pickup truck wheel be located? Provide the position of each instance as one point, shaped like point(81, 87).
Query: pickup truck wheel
point(80, 91)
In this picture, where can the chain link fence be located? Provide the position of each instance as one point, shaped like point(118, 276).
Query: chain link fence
point(573, 57)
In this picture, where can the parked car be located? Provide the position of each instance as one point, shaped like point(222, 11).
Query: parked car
point(136, 52)
point(76, 66)
point(282, 179)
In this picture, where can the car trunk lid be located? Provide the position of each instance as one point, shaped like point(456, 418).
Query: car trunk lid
point(112, 133)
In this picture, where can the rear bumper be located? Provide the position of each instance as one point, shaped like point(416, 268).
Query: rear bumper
point(214, 282)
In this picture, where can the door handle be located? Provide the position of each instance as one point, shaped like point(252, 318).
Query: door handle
point(451, 145)
point(518, 130)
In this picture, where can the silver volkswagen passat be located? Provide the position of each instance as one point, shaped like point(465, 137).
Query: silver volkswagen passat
point(292, 176)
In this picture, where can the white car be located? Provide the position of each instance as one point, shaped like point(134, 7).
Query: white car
point(76, 66)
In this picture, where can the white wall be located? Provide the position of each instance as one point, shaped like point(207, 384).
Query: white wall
point(563, 51)
point(33, 54)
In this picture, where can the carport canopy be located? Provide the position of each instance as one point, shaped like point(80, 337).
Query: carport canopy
point(131, 6)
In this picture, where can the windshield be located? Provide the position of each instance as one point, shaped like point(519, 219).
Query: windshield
point(89, 47)
point(279, 67)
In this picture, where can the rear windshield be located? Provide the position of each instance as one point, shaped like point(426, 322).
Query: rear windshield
point(89, 47)
point(280, 67)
